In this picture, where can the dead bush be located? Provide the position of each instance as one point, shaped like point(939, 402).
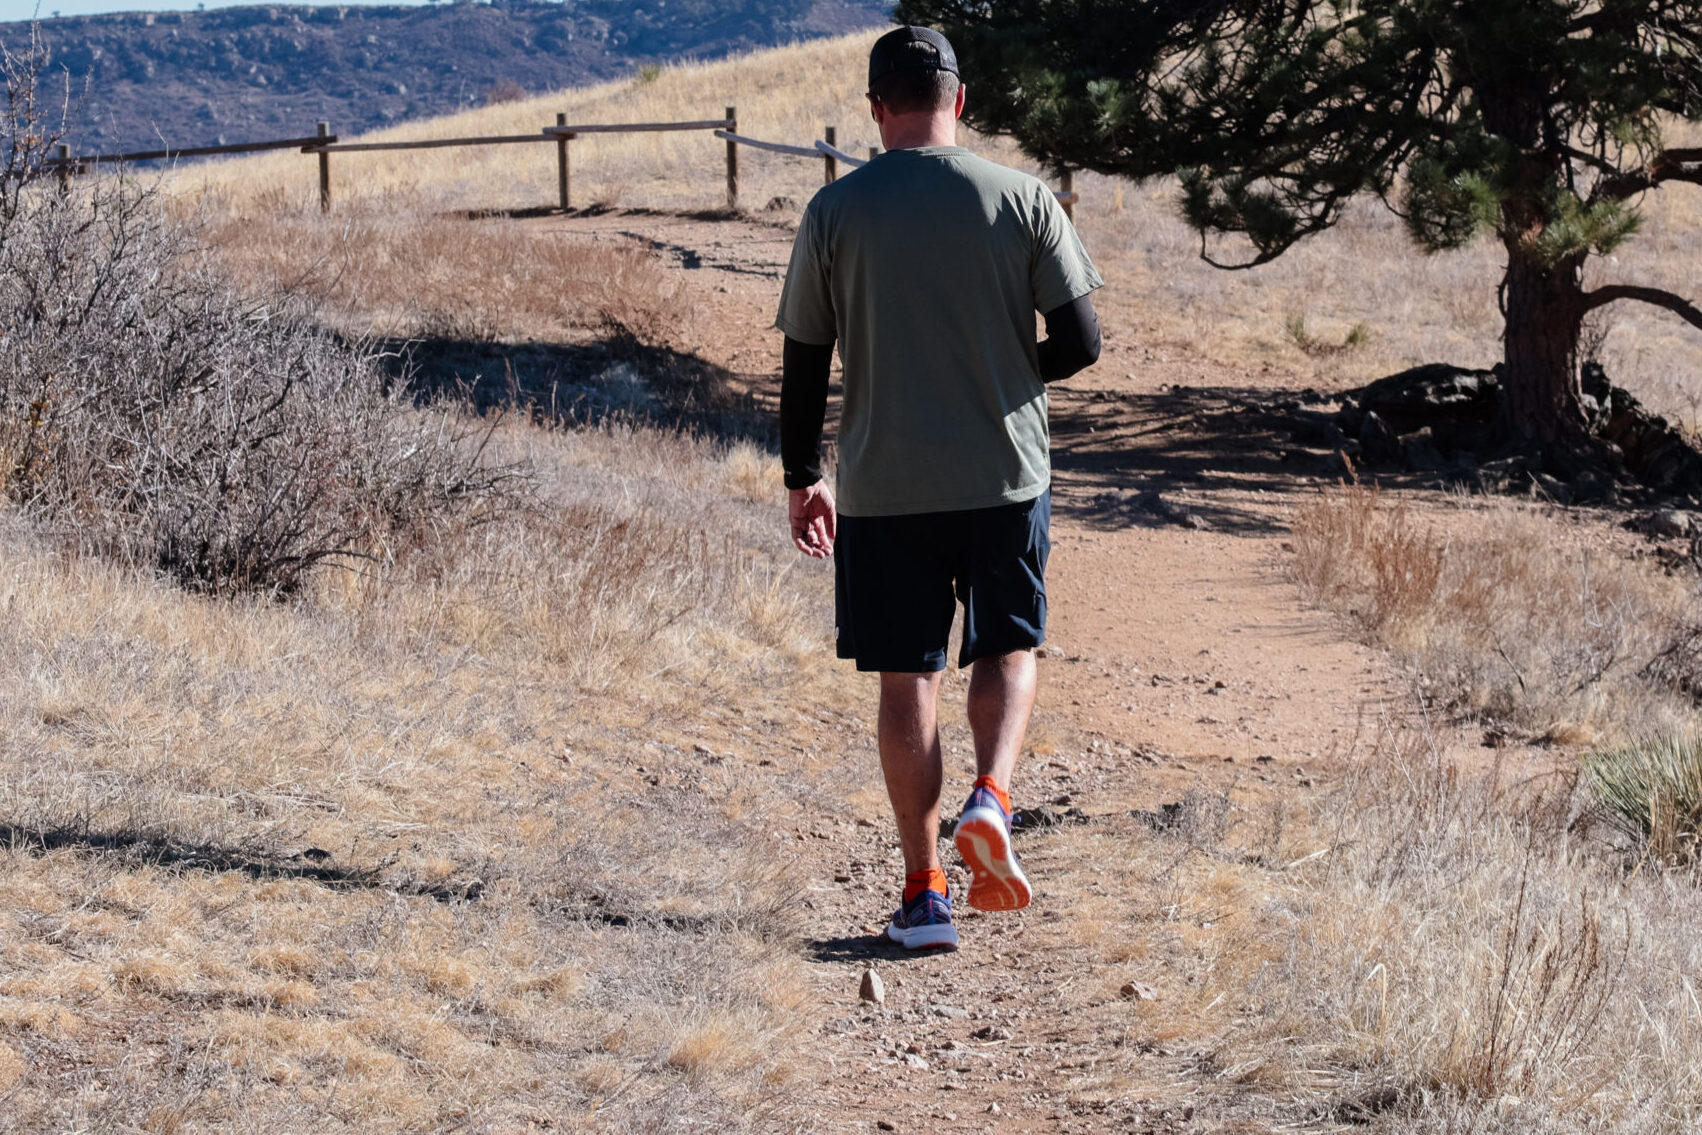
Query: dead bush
point(150, 411)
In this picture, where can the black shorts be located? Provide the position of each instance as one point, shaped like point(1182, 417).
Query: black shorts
point(898, 580)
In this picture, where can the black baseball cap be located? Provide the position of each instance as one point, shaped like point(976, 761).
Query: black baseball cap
point(911, 49)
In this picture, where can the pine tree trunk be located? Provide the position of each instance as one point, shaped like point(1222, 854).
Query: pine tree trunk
point(1542, 408)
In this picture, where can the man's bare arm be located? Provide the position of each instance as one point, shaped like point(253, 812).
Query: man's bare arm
point(1072, 340)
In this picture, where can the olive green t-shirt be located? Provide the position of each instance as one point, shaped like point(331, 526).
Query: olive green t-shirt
point(928, 265)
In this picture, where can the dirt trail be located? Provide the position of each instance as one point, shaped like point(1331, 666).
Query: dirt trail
point(1181, 658)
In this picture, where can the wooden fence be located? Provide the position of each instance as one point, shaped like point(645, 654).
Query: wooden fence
point(323, 144)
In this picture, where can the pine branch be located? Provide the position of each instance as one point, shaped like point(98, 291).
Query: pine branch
point(1659, 297)
point(1668, 165)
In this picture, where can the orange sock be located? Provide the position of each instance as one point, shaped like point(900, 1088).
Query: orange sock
point(927, 879)
point(1003, 796)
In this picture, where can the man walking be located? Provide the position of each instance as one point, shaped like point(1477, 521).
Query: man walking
point(927, 266)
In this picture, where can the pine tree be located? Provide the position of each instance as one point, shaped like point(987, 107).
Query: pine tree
point(1542, 122)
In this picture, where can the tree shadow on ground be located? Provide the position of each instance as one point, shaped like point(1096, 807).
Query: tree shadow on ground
point(313, 864)
point(575, 384)
point(1176, 456)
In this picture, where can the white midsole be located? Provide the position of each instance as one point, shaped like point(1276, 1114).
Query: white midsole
point(917, 937)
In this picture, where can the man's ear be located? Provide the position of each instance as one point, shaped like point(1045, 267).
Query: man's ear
point(875, 109)
point(957, 110)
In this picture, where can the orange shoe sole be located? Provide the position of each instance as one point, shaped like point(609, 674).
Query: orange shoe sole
point(996, 881)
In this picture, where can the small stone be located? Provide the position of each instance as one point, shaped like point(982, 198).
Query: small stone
point(885, 1125)
point(1137, 991)
point(951, 1011)
point(872, 989)
point(916, 1062)
point(992, 1032)
point(994, 1109)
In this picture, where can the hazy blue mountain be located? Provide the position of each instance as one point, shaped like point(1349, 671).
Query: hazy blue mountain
point(241, 74)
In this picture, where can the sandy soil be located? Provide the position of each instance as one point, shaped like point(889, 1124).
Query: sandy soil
point(1181, 657)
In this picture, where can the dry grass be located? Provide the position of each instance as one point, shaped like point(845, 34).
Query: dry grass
point(1477, 967)
point(1414, 950)
point(375, 272)
point(1507, 615)
point(427, 847)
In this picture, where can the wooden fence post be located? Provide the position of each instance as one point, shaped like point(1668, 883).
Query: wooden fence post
point(64, 172)
point(732, 161)
point(874, 152)
point(831, 170)
point(324, 131)
point(1067, 183)
point(563, 171)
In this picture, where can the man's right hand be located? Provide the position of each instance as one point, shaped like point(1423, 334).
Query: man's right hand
point(815, 522)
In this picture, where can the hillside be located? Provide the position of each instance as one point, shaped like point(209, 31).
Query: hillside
point(239, 74)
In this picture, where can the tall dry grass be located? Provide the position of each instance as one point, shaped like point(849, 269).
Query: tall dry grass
point(1505, 614)
point(1470, 962)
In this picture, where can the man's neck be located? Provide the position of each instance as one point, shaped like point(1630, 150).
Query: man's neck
point(913, 131)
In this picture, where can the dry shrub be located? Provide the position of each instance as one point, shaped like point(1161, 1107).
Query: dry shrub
point(149, 411)
point(1507, 618)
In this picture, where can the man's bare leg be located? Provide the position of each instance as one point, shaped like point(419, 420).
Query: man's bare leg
point(1001, 697)
point(909, 737)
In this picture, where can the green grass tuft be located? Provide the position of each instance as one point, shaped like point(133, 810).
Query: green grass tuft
point(1651, 790)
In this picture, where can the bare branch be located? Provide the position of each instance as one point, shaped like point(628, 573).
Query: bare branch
point(1659, 297)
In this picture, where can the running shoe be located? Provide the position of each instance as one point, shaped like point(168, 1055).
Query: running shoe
point(924, 923)
point(983, 838)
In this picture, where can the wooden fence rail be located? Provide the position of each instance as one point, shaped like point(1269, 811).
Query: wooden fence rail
point(324, 143)
point(85, 160)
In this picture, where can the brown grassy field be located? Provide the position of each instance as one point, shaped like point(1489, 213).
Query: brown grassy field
point(529, 829)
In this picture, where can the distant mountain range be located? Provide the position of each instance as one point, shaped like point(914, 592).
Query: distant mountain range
point(244, 74)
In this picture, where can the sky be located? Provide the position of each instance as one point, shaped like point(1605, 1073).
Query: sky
point(11, 10)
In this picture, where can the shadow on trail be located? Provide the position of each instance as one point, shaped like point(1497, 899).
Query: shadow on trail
point(861, 948)
point(583, 383)
point(313, 865)
point(1171, 457)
